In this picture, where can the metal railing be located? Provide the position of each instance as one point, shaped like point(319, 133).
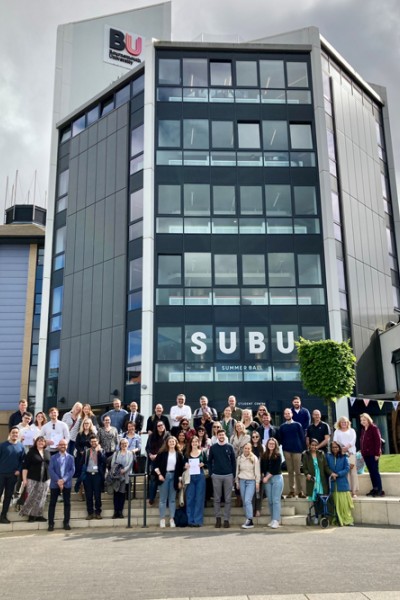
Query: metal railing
point(132, 493)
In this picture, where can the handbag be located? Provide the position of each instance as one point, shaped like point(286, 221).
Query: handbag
point(186, 477)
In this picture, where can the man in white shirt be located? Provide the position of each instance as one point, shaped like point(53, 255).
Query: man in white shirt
point(26, 431)
point(54, 431)
point(180, 411)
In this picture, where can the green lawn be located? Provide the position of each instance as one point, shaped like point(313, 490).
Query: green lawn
point(389, 463)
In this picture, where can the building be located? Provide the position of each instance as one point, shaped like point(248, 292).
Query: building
point(213, 204)
point(21, 273)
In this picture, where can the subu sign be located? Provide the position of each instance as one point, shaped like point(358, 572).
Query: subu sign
point(228, 343)
point(121, 47)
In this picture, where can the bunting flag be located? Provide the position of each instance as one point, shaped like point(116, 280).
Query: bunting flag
point(395, 404)
point(352, 400)
point(366, 401)
point(380, 404)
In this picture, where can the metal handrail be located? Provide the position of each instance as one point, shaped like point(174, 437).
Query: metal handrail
point(133, 477)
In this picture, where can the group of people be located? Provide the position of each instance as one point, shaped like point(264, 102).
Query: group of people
point(206, 455)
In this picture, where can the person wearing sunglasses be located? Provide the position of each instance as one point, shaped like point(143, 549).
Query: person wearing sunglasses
point(54, 431)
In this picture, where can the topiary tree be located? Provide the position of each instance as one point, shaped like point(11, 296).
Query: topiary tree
point(327, 369)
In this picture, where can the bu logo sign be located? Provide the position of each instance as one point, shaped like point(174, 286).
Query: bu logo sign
point(123, 42)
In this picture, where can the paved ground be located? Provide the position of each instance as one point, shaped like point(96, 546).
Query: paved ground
point(287, 564)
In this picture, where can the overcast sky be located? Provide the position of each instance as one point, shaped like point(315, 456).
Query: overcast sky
point(365, 32)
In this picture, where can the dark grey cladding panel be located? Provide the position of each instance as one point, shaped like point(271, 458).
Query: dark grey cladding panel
point(89, 237)
point(87, 300)
point(108, 294)
point(92, 135)
point(99, 224)
point(122, 116)
point(111, 123)
point(70, 245)
point(109, 228)
point(105, 365)
point(79, 240)
point(111, 163)
point(122, 159)
point(77, 304)
point(63, 379)
point(67, 306)
point(84, 372)
point(74, 147)
point(102, 129)
point(97, 298)
point(94, 368)
point(119, 291)
point(82, 181)
point(101, 170)
point(72, 186)
point(121, 219)
point(83, 141)
point(117, 358)
point(73, 385)
point(91, 176)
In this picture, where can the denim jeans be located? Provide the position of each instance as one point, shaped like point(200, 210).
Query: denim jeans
point(373, 468)
point(247, 490)
point(195, 494)
point(167, 492)
point(273, 490)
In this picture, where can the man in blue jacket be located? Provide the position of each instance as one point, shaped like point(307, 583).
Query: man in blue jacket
point(292, 440)
point(61, 469)
point(11, 455)
point(301, 415)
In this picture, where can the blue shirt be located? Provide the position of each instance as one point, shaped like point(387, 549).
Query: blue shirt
point(11, 456)
point(117, 418)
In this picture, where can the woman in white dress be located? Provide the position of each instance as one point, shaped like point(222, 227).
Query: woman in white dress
point(346, 436)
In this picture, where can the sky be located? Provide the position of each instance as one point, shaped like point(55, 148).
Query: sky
point(365, 32)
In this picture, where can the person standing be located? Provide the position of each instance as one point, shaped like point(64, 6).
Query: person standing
point(248, 481)
point(320, 431)
point(36, 479)
point(300, 414)
point(153, 420)
point(93, 481)
point(271, 473)
point(204, 408)
point(169, 468)
point(266, 430)
point(154, 444)
point(117, 415)
point(133, 417)
point(26, 431)
point(339, 465)
point(12, 454)
point(16, 417)
point(292, 439)
point(371, 450)
point(54, 431)
point(196, 460)
point(108, 437)
point(61, 471)
point(346, 436)
point(222, 468)
point(228, 423)
point(237, 412)
point(72, 419)
point(179, 412)
point(122, 460)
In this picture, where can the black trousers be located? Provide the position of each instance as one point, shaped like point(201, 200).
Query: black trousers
point(7, 484)
point(54, 493)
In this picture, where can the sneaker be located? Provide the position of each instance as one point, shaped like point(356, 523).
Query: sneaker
point(162, 523)
point(248, 524)
point(270, 524)
point(291, 495)
point(4, 520)
point(275, 525)
point(172, 523)
point(302, 495)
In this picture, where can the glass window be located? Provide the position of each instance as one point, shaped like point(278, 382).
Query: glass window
point(301, 136)
point(169, 71)
point(246, 73)
point(136, 205)
point(310, 296)
point(341, 277)
point(169, 343)
point(282, 342)
point(253, 269)
point(225, 269)
point(135, 346)
point(297, 75)
point(195, 133)
point(221, 73)
point(198, 343)
point(256, 343)
point(136, 230)
point(60, 240)
point(169, 199)
point(54, 363)
point(305, 200)
point(224, 200)
point(251, 200)
point(136, 273)
point(197, 269)
point(63, 181)
point(271, 74)
point(281, 271)
point(196, 197)
point(282, 296)
point(107, 106)
point(66, 135)
point(222, 134)
point(169, 134)
point(254, 296)
point(137, 140)
point(249, 135)
point(78, 125)
point(278, 200)
point(122, 96)
point(226, 296)
point(137, 85)
point(314, 333)
point(309, 269)
point(227, 343)
point(135, 300)
point(169, 296)
point(275, 135)
point(57, 300)
point(195, 72)
point(298, 97)
point(170, 269)
point(169, 372)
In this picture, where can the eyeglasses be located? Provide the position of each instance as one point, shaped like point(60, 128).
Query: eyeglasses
point(159, 426)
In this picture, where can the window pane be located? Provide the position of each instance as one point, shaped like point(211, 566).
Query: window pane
point(221, 73)
point(227, 343)
point(63, 180)
point(251, 200)
point(136, 273)
point(122, 96)
point(169, 343)
point(256, 343)
point(275, 135)
point(313, 332)
point(297, 74)
point(226, 297)
point(136, 230)
point(298, 97)
point(222, 134)
point(54, 363)
point(134, 346)
point(78, 125)
point(169, 296)
point(224, 201)
point(169, 134)
point(137, 140)
point(198, 343)
point(278, 200)
point(170, 269)
point(169, 199)
point(310, 296)
point(282, 296)
point(309, 269)
point(197, 269)
point(249, 135)
point(195, 133)
point(341, 277)
point(225, 269)
point(282, 342)
point(246, 73)
point(57, 300)
point(254, 296)
point(300, 136)
point(281, 269)
point(169, 71)
point(195, 72)
point(135, 300)
point(305, 201)
point(136, 205)
point(253, 268)
point(271, 74)
point(196, 199)
point(137, 85)
point(60, 240)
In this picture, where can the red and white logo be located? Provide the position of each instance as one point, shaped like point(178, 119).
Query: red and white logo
point(121, 47)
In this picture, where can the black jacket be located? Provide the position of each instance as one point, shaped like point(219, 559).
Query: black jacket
point(153, 420)
point(161, 463)
point(274, 432)
point(33, 464)
point(138, 422)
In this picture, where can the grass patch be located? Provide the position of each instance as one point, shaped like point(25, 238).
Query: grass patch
point(389, 463)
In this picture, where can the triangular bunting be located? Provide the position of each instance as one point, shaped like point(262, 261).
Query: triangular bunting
point(381, 403)
point(395, 404)
point(352, 400)
point(366, 401)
